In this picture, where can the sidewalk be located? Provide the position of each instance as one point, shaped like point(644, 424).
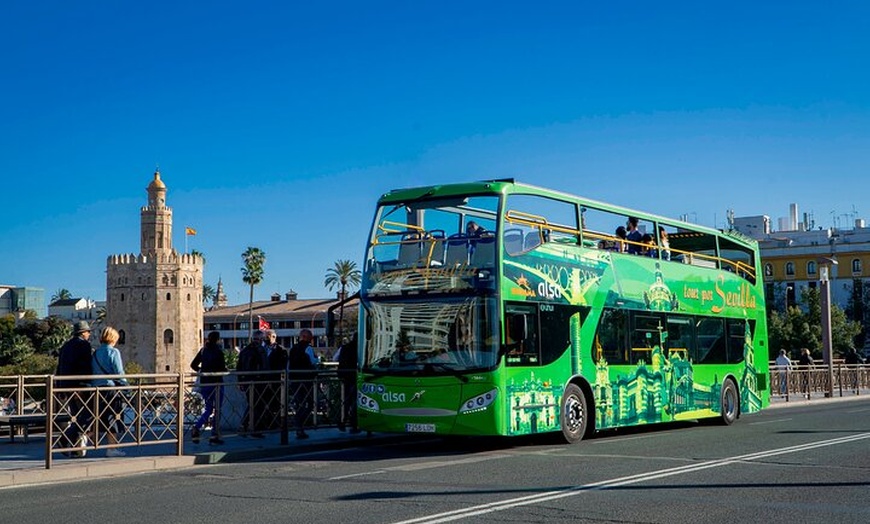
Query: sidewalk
point(24, 464)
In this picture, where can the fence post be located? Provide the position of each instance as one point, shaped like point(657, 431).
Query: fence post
point(179, 411)
point(285, 428)
point(840, 377)
point(19, 396)
point(49, 419)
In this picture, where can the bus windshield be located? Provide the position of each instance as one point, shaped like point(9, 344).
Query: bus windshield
point(435, 245)
point(436, 336)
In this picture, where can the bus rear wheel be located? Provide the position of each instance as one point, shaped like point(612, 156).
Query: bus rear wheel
point(729, 402)
point(573, 414)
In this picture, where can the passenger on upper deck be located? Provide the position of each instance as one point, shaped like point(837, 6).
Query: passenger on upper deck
point(633, 236)
point(666, 245)
point(473, 229)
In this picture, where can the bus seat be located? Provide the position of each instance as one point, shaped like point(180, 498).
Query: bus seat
point(434, 247)
point(409, 250)
point(483, 251)
point(456, 250)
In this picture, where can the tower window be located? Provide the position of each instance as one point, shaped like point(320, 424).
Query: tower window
point(122, 297)
point(122, 337)
point(168, 337)
point(168, 296)
point(188, 297)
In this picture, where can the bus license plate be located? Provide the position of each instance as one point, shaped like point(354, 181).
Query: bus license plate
point(420, 428)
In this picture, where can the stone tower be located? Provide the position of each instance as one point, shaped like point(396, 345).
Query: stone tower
point(154, 299)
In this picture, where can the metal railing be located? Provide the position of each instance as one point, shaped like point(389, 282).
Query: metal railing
point(161, 409)
point(806, 382)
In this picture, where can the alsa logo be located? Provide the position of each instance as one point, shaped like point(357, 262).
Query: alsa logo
point(383, 392)
point(547, 290)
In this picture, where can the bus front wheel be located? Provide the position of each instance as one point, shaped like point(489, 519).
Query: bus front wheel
point(729, 402)
point(573, 414)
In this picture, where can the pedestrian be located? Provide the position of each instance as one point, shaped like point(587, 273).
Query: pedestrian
point(301, 364)
point(348, 357)
point(74, 360)
point(210, 359)
point(783, 364)
point(805, 362)
point(276, 359)
point(852, 359)
point(107, 361)
point(251, 359)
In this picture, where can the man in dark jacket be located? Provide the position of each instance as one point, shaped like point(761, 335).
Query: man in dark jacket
point(253, 358)
point(348, 357)
point(74, 359)
point(276, 360)
point(302, 363)
point(210, 359)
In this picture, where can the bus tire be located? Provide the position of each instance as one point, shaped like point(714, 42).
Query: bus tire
point(573, 414)
point(729, 402)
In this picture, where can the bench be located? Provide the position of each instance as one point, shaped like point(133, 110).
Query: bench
point(26, 420)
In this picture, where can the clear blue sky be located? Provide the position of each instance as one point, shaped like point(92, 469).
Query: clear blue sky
point(278, 125)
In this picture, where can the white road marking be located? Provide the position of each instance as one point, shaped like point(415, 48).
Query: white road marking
point(491, 507)
point(858, 410)
point(363, 474)
point(769, 422)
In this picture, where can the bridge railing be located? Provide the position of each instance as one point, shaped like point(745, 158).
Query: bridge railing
point(801, 382)
point(162, 409)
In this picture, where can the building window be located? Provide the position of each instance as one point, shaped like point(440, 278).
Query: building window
point(856, 266)
point(122, 297)
point(188, 297)
point(789, 269)
point(768, 270)
point(168, 296)
point(811, 268)
point(168, 337)
point(122, 337)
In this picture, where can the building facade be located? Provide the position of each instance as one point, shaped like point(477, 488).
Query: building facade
point(74, 309)
point(287, 315)
point(154, 298)
point(16, 301)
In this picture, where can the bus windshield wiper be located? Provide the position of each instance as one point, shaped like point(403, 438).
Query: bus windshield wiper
point(446, 367)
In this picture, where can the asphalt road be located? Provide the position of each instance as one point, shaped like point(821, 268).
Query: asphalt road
point(794, 465)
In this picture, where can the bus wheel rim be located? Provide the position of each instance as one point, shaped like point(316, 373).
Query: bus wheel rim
point(573, 413)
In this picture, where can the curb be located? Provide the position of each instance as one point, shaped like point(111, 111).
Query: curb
point(799, 401)
point(245, 455)
point(92, 470)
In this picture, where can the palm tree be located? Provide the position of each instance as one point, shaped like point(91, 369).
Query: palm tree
point(199, 254)
point(343, 274)
point(61, 294)
point(252, 274)
point(208, 293)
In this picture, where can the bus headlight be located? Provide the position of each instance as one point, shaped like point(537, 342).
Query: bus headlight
point(367, 403)
point(478, 403)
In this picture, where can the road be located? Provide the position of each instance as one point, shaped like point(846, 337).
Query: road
point(794, 465)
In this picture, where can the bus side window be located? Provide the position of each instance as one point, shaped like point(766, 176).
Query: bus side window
point(521, 335)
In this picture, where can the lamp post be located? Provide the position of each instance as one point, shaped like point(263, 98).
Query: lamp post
point(825, 264)
point(236, 317)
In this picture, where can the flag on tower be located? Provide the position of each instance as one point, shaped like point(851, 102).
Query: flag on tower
point(189, 231)
point(263, 324)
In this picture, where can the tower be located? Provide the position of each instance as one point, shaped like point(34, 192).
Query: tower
point(154, 299)
point(220, 297)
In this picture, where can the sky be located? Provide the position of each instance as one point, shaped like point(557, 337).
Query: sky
point(279, 124)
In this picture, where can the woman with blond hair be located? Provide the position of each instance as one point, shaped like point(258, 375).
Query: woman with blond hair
point(107, 361)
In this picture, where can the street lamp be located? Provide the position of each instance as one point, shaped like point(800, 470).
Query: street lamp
point(825, 264)
point(236, 317)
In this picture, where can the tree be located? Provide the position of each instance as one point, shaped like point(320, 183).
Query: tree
point(208, 294)
point(61, 294)
point(795, 328)
point(344, 273)
point(14, 350)
point(199, 254)
point(252, 274)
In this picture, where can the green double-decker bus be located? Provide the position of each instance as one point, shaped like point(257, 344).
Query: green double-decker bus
point(501, 308)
